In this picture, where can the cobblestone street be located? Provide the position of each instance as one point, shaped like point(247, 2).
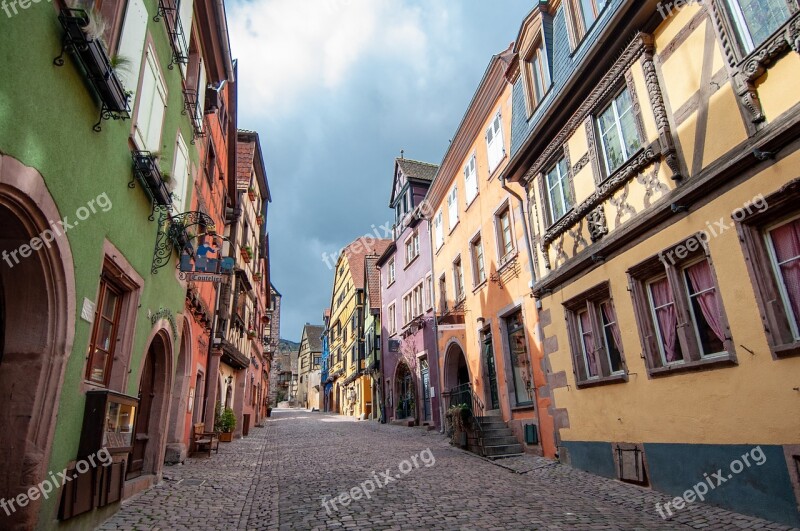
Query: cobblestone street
point(278, 477)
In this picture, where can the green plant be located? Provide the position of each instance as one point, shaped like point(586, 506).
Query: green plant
point(225, 422)
point(166, 176)
point(96, 27)
point(458, 415)
point(120, 63)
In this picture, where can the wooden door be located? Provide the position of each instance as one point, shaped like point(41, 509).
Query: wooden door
point(141, 433)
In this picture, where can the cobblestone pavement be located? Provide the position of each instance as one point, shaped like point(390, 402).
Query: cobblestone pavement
point(278, 477)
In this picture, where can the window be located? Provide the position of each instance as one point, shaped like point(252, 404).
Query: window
point(470, 180)
point(583, 13)
point(495, 147)
point(131, 43)
point(478, 269)
point(443, 294)
point(616, 125)
point(559, 191)
point(412, 248)
point(180, 173)
point(392, 319)
point(211, 163)
point(537, 75)
point(438, 228)
point(505, 234)
point(679, 310)
point(111, 12)
point(428, 304)
point(595, 337)
point(520, 363)
point(755, 20)
point(152, 104)
point(458, 280)
point(412, 304)
point(452, 207)
point(105, 330)
point(784, 253)
point(391, 272)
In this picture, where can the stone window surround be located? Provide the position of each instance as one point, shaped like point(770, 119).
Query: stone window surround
point(638, 277)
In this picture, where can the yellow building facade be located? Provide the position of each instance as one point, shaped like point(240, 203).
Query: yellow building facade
point(352, 387)
point(663, 198)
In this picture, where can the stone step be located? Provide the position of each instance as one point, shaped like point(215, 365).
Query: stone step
point(500, 440)
point(502, 450)
point(491, 422)
point(496, 432)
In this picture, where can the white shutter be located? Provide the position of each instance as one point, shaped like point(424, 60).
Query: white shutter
point(131, 44)
point(439, 229)
point(143, 112)
point(471, 180)
point(201, 93)
point(185, 14)
point(494, 143)
point(452, 207)
point(180, 174)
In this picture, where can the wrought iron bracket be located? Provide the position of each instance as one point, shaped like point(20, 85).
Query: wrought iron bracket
point(173, 234)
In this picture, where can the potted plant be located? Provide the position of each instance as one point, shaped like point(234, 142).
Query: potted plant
point(257, 277)
point(225, 424)
point(458, 416)
point(251, 193)
point(251, 333)
point(247, 254)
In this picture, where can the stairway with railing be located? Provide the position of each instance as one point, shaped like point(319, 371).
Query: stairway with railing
point(491, 435)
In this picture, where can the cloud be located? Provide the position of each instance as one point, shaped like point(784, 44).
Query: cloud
point(289, 48)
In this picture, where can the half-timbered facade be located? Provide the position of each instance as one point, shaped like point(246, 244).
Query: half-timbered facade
point(657, 145)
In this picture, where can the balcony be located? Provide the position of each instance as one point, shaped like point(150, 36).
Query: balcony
point(193, 108)
point(177, 38)
point(91, 55)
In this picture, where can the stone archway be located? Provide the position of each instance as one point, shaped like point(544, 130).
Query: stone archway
point(37, 324)
point(456, 370)
point(178, 437)
point(147, 456)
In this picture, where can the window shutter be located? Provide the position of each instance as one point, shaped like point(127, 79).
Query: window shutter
point(131, 43)
point(157, 111)
point(452, 205)
point(470, 180)
point(144, 112)
point(181, 174)
point(201, 94)
point(185, 14)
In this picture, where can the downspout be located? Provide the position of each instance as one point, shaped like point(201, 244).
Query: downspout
point(436, 328)
point(527, 238)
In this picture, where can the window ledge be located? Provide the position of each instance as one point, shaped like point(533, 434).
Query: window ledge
point(453, 228)
point(507, 260)
point(472, 202)
point(787, 351)
point(479, 286)
point(408, 264)
point(706, 364)
point(524, 407)
point(606, 380)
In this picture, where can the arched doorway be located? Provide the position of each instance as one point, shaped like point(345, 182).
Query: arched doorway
point(147, 453)
point(37, 309)
point(405, 393)
point(456, 376)
point(178, 437)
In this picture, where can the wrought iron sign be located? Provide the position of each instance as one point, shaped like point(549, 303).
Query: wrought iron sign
point(193, 235)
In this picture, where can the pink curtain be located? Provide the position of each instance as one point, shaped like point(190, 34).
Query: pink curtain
point(588, 343)
point(786, 240)
point(666, 316)
point(611, 317)
point(700, 275)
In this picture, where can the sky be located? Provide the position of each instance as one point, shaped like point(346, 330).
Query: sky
point(336, 89)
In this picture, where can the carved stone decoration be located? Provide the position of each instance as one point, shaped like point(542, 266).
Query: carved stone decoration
point(603, 192)
point(604, 88)
point(597, 224)
point(660, 114)
point(545, 254)
point(652, 185)
point(578, 241)
point(582, 162)
point(622, 205)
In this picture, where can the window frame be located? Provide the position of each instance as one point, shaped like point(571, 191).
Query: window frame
point(591, 302)
point(497, 136)
point(411, 244)
point(106, 284)
point(536, 55)
point(690, 251)
point(392, 272)
point(576, 22)
point(392, 324)
point(736, 23)
point(458, 279)
point(752, 224)
point(478, 261)
point(550, 218)
point(452, 208)
point(470, 168)
point(611, 102)
point(438, 229)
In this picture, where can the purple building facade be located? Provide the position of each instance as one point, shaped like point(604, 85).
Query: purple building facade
point(409, 361)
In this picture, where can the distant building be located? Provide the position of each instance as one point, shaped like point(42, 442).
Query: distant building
point(308, 366)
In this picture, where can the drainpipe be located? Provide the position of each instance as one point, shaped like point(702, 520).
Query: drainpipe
point(533, 279)
point(435, 326)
